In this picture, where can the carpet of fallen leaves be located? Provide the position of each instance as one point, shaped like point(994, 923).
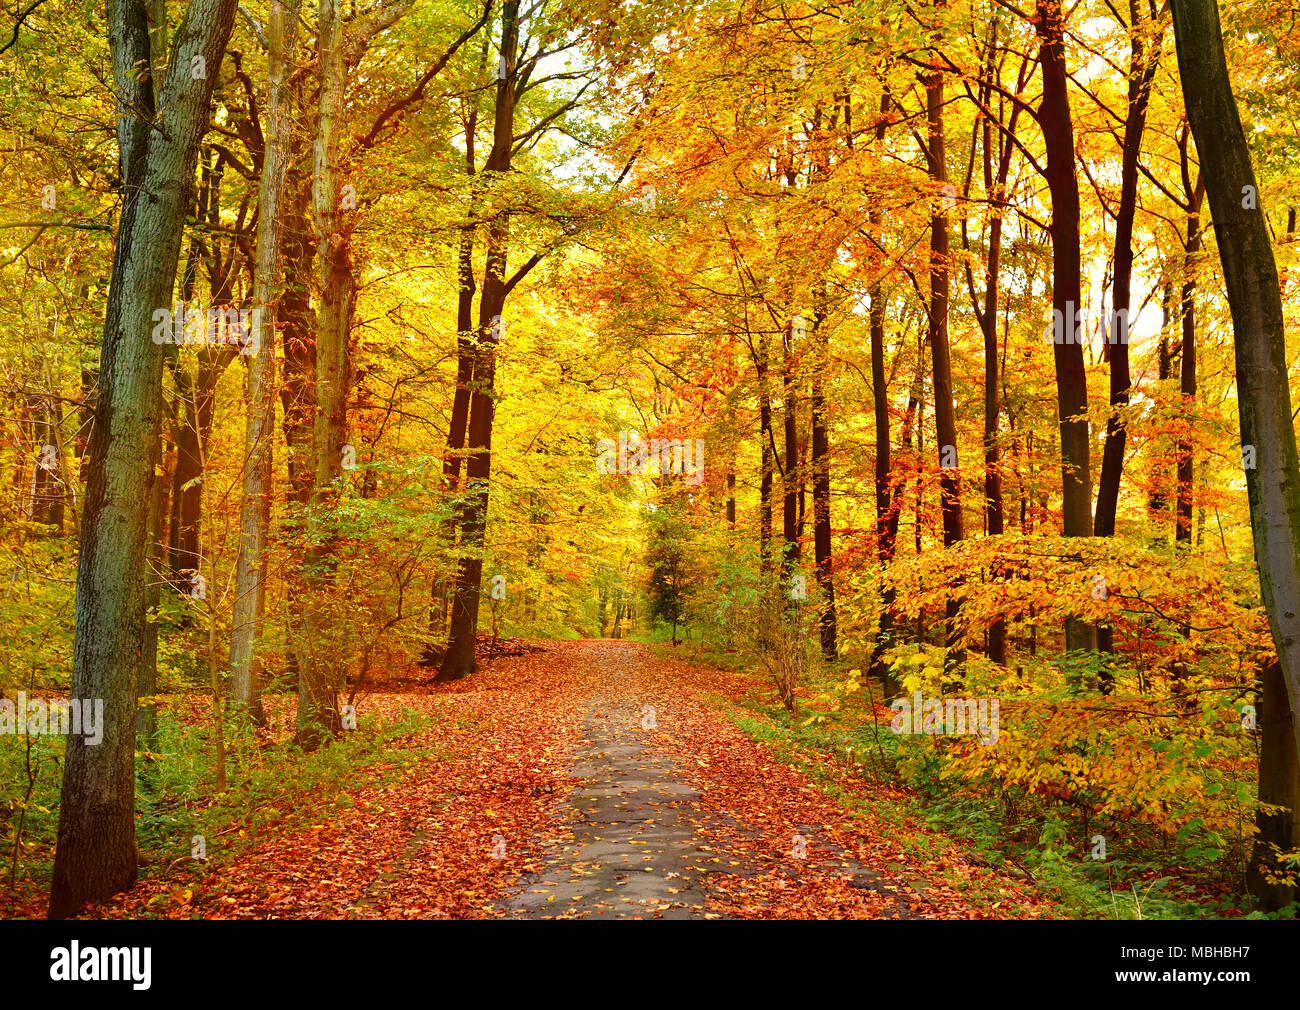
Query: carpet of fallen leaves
point(753, 806)
point(426, 845)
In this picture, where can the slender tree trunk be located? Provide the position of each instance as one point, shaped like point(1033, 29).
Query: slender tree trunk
point(945, 416)
point(995, 184)
point(459, 660)
point(1185, 470)
point(1156, 505)
point(1142, 68)
point(255, 508)
point(465, 343)
point(888, 499)
point(790, 471)
point(1071, 377)
point(821, 493)
point(1143, 62)
point(146, 720)
point(767, 460)
point(319, 674)
point(297, 330)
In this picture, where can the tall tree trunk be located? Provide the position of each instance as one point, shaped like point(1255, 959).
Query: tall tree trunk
point(459, 660)
point(1143, 62)
point(146, 720)
point(821, 493)
point(319, 674)
point(1185, 470)
point(1071, 377)
point(255, 508)
point(459, 421)
point(1156, 504)
point(767, 457)
point(997, 166)
point(297, 330)
point(790, 472)
point(888, 500)
point(945, 415)
point(1263, 393)
point(95, 856)
point(1142, 68)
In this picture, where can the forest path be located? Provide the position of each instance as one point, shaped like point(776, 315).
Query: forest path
point(583, 779)
point(638, 837)
point(634, 851)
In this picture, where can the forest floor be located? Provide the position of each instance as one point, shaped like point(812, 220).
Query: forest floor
point(588, 779)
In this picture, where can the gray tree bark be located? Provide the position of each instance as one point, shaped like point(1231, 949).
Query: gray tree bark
point(1263, 398)
point(96, 852)
point(255, 509)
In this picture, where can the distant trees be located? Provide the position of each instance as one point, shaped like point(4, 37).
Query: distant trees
point(668, 550)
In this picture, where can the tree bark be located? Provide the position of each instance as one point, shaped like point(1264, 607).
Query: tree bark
point(1259, 338)
point(767, 460)
point(1143, 62)
point(1185, 468)
point(1142, 68)
point(319, 675)
point(459, 660)
point(790, 470)
point(821, 494)
point(1071, 377)
point(96, 853)
point(945, 416)
point(255, 508)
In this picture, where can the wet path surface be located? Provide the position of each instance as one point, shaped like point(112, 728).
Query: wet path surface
point(635, 852)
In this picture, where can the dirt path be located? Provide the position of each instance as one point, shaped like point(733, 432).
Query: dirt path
point(591, 779)
point(678, 815)
point(635, 851)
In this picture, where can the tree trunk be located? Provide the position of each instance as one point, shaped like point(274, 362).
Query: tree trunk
point(459, 660)
point(945, 416)
point(255, 508)
point(319, 674)
point(767, 460)
point(1156, 504)
point(1184, 474)
point(146, 720)
point(790, 470)
point(1142, 68)
point(459, 422)
point(888, 501)
point(297, 326)
point(95, 855)
point(1259, 338)
point(1071, 377)
point(995, 184)
point(821, 493)
point(1279, 785)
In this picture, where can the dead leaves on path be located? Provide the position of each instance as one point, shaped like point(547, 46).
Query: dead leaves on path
point(754, 809)
point(453, 837)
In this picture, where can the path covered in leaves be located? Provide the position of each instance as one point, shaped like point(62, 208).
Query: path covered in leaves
point(589, 779)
